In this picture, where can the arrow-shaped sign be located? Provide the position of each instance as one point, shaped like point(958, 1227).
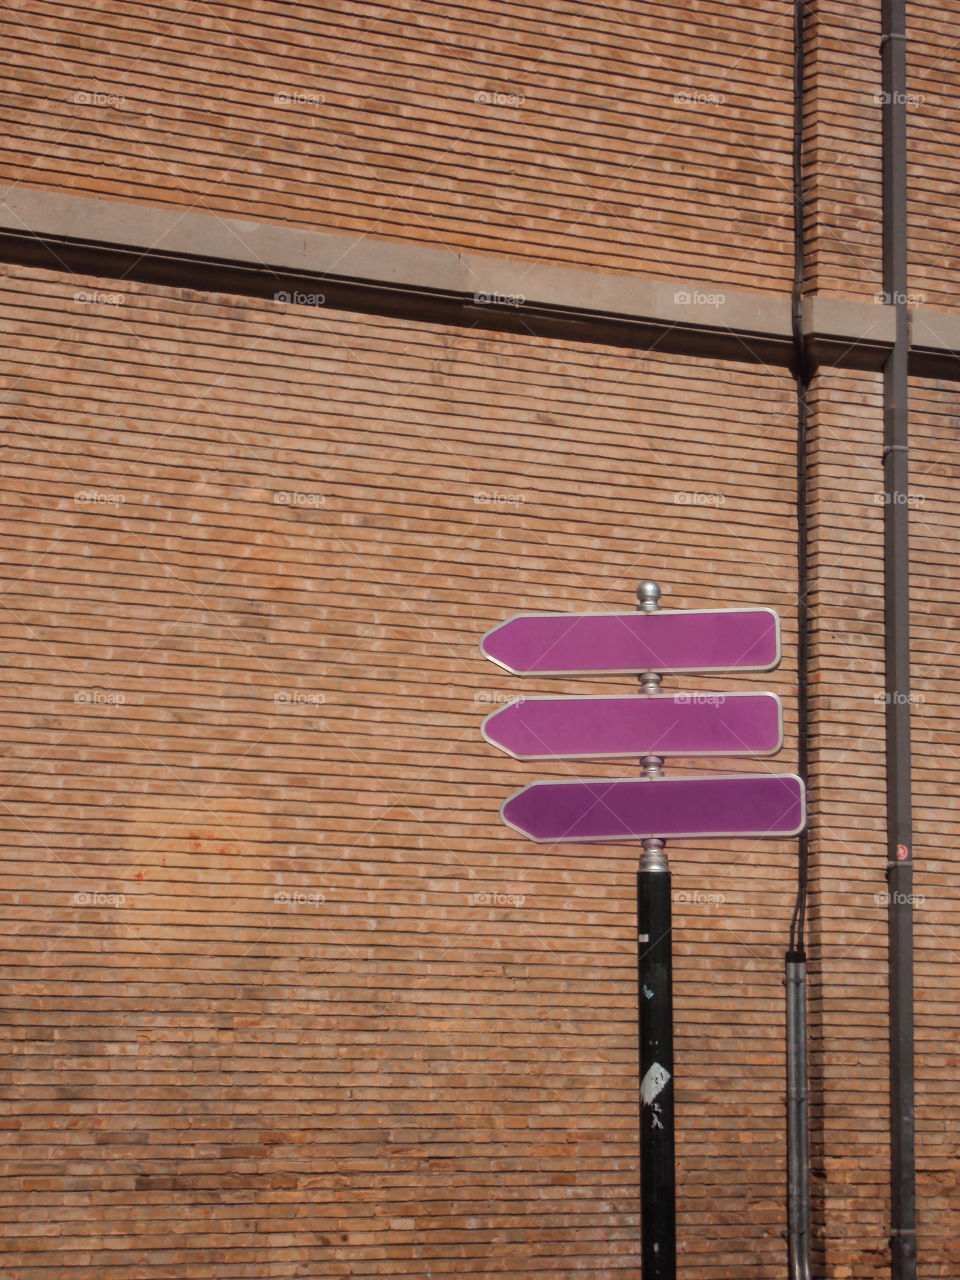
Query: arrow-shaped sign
point(703, 724)
point(551, 644)
point(613, 809)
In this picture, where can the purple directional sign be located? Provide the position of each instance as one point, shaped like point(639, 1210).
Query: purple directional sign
point(685, 724)
point(552, 644)
point(614, 809)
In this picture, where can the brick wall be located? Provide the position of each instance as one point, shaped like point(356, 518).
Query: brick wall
point(842, 140)
point(654, 138)
point(842, 177)
point(933, 516)
point(849, 1021)
point(286, 997)
point(934, 129)
point(848, 916)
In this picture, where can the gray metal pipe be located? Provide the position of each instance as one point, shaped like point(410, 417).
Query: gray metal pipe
point(903, 1222)
point(798, 1141)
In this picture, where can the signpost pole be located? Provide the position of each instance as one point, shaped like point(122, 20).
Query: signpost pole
point(658, 1232)
point(652, 808)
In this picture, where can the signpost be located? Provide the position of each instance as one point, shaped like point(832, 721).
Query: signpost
point(650, 809)
point(679, 724)
point(696, 640)
point(751, 806)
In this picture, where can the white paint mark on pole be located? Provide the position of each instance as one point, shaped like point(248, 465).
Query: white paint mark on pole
point(653, 1083)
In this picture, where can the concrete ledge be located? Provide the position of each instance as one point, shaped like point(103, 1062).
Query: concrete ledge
point(184, 233)
point(668, 302)
point(934, 343)
point(206, 251)
point(473, 278)
point(841, 331)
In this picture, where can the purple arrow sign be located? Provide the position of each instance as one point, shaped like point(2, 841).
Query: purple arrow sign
point(702, 724)
point(552, 644)
point(614, 809)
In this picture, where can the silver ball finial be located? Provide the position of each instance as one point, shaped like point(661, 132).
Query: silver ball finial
point(648, 596)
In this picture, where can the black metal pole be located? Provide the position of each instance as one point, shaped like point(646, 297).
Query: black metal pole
point(658, 1249)
point(658, 1198)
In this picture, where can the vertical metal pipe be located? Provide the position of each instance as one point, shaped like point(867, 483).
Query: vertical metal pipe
point(658, 1214)
point(903, 1241)
point(798, 1141)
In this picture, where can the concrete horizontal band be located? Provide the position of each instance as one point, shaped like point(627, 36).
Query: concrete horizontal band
point(353, 271)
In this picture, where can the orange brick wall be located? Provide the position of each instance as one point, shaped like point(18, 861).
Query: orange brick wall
point(652, 138)
point(843, 160)
point(848, 908)
point(842, 174)
point(848, 917)
point(933, 516)
point(286, 997)
point(934, 134)
point(636, 138)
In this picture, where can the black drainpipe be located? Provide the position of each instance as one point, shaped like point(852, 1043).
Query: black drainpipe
point(903, 1234)
point(798, 1144)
